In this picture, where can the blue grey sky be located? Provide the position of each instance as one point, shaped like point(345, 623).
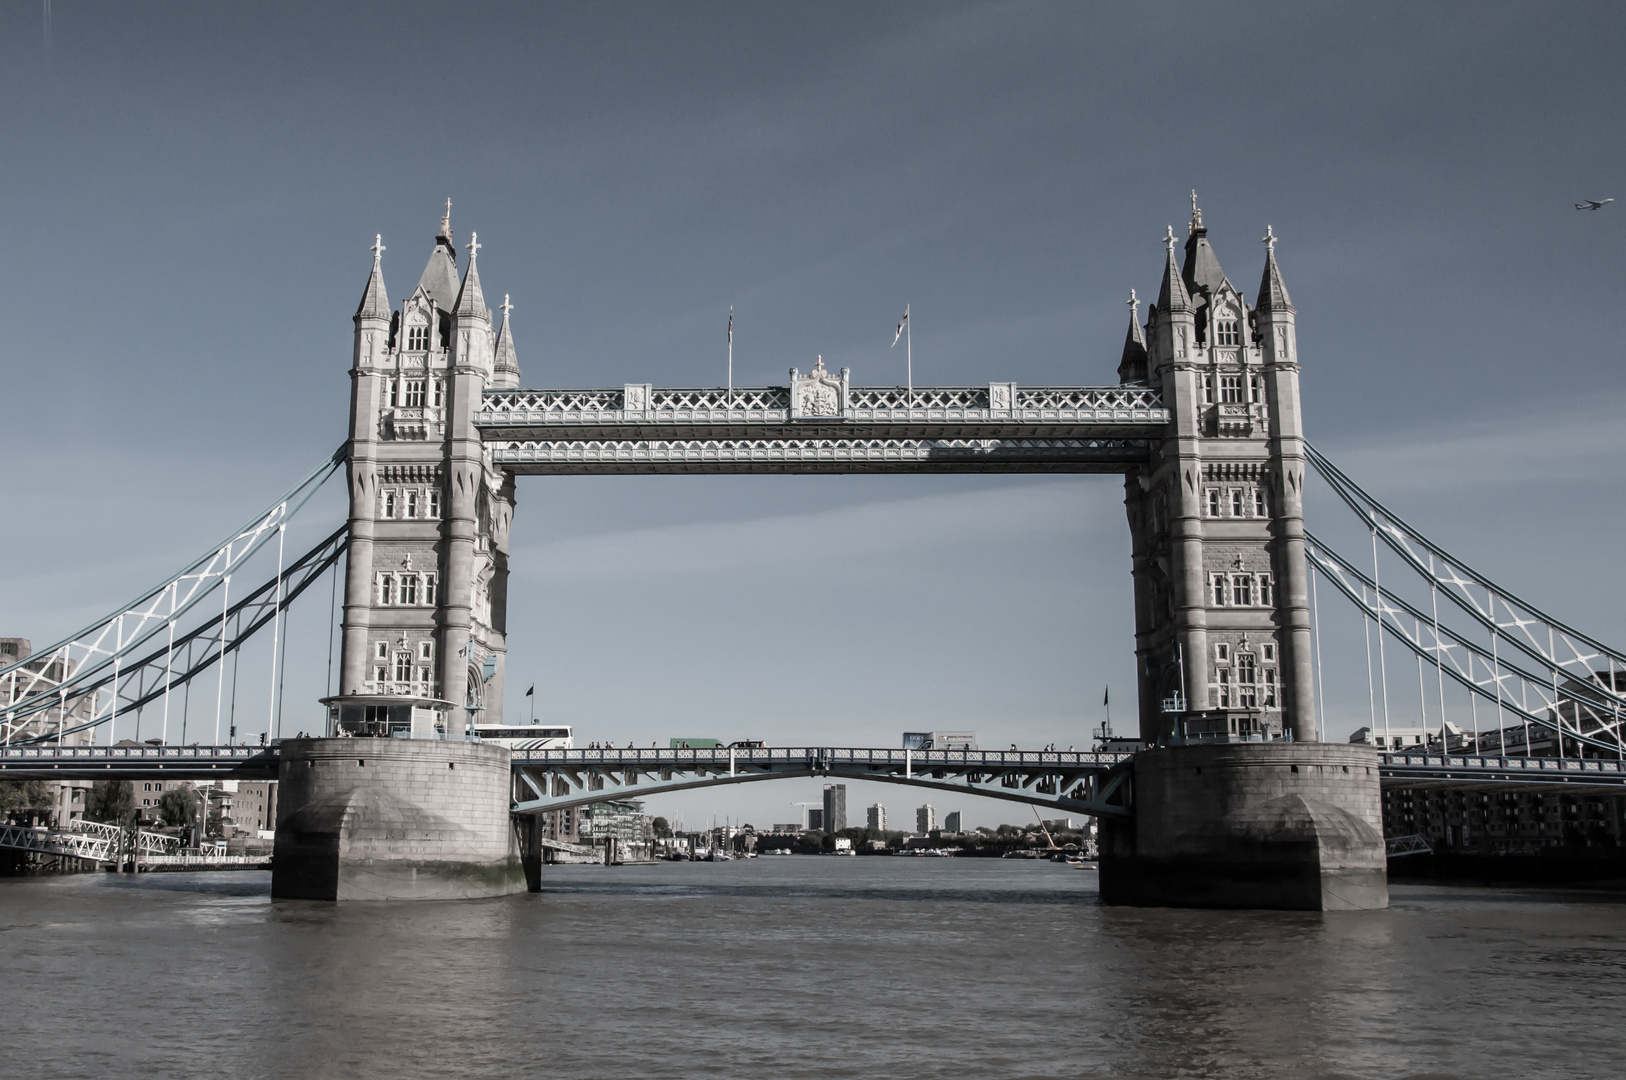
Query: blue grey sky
point(191, 190)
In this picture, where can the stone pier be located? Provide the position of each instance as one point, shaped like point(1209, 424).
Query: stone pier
point(1284, 825)
point(394, 819)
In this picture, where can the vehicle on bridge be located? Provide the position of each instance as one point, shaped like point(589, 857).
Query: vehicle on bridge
point(527, 736)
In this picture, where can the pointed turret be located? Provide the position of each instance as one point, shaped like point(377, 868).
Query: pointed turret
point(1202, 269)
point(505, 367)
point(1173, 296)
point(375, 301)
point(1272, 292)
point(1132, 367)
point(439, 280)
point(471, 302)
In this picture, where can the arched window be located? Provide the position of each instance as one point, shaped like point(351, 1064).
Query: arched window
point(417, 339)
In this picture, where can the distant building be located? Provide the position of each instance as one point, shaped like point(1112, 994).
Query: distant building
point(835, 807)
point(621, 820)
point(877, 818)
point(1399, 737)
point(926, 819)
point(788, 829)
point(951, 823)
point(254, 807)
point(561, 825)
point(815, 818)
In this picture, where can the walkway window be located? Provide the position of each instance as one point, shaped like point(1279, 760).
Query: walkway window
point(1242, 590)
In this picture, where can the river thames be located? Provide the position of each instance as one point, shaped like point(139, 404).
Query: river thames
point(800, 967)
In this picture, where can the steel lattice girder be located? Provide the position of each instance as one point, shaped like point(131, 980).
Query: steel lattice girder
point(997, 411)
point(1070, 781)
point(1510, 771)
point(48, 762)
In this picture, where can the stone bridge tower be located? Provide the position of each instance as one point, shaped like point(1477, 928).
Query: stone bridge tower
point(425, 598)
point(1222, 621)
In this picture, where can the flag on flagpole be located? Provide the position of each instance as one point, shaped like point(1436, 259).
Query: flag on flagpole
point(531, 691)
point(1106, 698)
point(731, 326)
point(903, 322)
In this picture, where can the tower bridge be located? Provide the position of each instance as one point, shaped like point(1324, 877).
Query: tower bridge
point(1235, 802)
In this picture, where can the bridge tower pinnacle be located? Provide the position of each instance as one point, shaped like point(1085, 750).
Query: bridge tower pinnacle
point(426, 586)
point(1216, 515)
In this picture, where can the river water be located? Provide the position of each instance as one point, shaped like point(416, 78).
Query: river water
point(800, 967)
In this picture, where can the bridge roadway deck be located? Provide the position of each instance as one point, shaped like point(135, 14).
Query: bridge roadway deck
point(594, 775)
point(994, 428)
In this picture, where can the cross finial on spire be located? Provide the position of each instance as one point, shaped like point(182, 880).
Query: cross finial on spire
point(1168, 239)
point(1269, 240)
point(446, 219)
point(378, 248)
point(505, 307)
point(473, 245)
point(1196, 214)
point(1134, 305)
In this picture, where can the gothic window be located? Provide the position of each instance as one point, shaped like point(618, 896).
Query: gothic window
point(412, 503)
point(403, 667)
point(381, 675)
point(393, 385)
point(1242, 590)
point(1259, 509)
point(386, 589)
point(389, 503)
point(429, 589)
point(426, 650)
point(434, 503)
point(414, 394)
point(409, 588)
point(1222, 652)
point(438, 389)
point(1270, 687)
point(1256, 389)
point(1231, 389)
point(1213, 502)
point(382, 650)
point(423, 675)
point(1208, 389)
point(1219, 592)
point(1236, 502)
point(1268, 652)
point(1223, 677)
point(1225, 332)
point(418, 339)
point(1264, 595)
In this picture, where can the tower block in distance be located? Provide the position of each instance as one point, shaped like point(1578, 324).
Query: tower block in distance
point(1237, 803)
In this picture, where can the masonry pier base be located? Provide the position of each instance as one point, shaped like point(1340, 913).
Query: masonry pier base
point(394, 819)
point(1295, 826)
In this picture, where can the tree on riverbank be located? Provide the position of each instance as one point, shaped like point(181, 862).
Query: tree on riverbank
point(110, 801)
point(24, 801)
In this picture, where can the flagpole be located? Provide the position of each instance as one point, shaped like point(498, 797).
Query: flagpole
point(731, 356)
point(909, 352)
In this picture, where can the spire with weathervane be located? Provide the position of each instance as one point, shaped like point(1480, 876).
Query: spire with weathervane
point(1132, 367)
point(505, 366)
